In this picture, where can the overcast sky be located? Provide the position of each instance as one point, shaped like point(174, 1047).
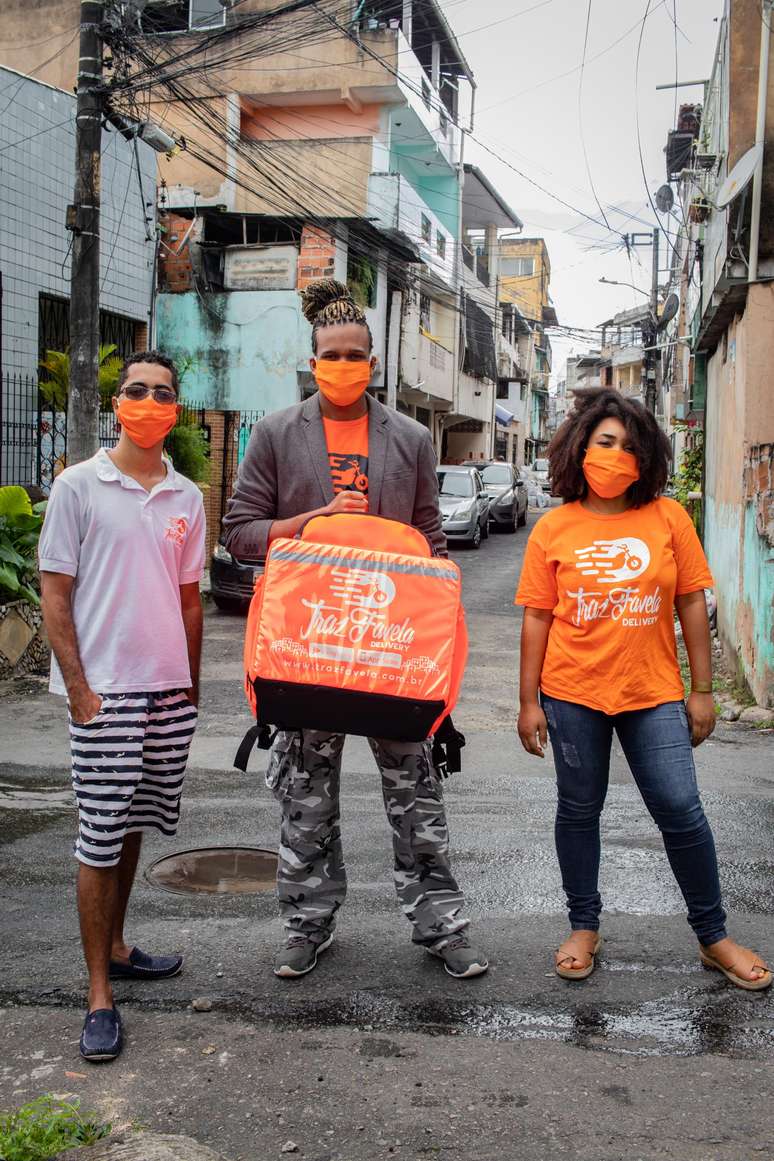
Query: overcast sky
point(534, 121)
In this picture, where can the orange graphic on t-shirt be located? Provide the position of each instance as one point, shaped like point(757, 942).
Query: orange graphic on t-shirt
point(177, 529)
point(347, 442)
point(610, 582)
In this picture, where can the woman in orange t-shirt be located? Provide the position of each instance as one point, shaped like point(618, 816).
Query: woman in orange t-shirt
point(602, 577)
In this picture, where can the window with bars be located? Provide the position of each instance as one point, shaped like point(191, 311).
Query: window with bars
point(54, 328)
point(427, 229)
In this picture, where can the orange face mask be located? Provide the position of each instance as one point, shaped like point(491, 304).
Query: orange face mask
point(342, 381)
point(609, 471)
point(145, 421)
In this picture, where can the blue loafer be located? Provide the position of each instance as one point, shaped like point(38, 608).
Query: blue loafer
point(102, 1037)
point(142, 966)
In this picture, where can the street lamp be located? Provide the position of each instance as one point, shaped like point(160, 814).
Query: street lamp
point(612, 282)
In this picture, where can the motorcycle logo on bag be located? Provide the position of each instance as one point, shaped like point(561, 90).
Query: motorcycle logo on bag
point(612, 561)
point(359, 588)
point(356, 610)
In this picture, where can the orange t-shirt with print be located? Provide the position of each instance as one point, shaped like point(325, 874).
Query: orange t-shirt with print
point(610, 582)
point(347, 442)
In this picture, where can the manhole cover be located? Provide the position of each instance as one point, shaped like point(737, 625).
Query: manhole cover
point(215, 871)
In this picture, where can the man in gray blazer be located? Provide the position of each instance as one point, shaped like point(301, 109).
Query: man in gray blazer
point(343, 451)
point(286, 474)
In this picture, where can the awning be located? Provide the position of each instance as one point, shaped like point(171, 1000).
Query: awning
point(503, 416)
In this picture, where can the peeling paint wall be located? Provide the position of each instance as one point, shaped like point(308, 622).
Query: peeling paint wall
point(739, 513)
point(245, 346)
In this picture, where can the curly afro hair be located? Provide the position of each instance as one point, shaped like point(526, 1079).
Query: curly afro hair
point(649, 444)
point(328, 303)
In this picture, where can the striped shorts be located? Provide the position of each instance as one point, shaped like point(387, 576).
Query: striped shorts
point(128, 768)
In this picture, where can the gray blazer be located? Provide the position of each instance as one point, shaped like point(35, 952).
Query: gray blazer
point(286, 471)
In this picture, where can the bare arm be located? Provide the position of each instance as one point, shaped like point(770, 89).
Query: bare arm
point(193, 618)
point(700, 703)
point(346, 501)
point(56, 600)
point(532, 725)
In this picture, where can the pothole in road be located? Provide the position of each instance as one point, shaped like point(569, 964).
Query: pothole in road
point(215, 871)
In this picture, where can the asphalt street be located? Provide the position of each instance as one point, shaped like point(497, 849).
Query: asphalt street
point(378, 1053)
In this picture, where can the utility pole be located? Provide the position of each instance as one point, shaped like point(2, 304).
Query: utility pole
point(650, 361)
point(83, 220)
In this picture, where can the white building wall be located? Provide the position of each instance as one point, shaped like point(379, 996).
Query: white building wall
point(37, 173)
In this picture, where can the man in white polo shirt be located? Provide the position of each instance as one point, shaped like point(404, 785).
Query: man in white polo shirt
point(121, 556)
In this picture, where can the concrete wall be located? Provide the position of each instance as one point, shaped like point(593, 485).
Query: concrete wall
point(247, 346)
point(37, 140)
point(529, 293)
point(739, 514)
point(40, 39)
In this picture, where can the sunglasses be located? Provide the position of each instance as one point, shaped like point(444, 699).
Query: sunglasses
point(140, 391)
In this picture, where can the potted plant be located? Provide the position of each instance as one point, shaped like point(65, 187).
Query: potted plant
point(23, 646)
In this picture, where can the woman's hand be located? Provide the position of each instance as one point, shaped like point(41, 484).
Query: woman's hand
point(700, 708)
point(533, 729)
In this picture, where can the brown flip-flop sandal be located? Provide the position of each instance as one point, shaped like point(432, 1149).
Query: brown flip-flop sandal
point(758, 985)
point(578, 973)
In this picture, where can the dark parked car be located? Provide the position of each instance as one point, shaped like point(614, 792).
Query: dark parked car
point(464, 504)
point(507, 493)
point(231, 580)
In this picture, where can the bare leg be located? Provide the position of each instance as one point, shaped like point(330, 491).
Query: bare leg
point(97, 897)
point(126, 869)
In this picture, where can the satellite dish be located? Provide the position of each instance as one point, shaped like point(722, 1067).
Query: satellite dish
point(665, 199)
point(671, 307)
point(738, 177)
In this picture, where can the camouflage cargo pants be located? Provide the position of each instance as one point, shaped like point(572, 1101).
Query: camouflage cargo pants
point(303, 774)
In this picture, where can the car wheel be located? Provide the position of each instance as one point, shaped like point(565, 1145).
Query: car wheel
point(510, 526)
point(485, 529)
point(475, 541)
point(230, 604)
point(522, 519)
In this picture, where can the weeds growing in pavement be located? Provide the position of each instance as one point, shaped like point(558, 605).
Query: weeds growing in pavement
point(42, 1128)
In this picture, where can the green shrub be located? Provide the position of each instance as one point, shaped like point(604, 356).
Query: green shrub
point(20, 525)
point(189, 450)
point(44, 1127)
point(55, 388)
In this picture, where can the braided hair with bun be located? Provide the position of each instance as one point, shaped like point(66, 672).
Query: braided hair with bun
point(328, 303)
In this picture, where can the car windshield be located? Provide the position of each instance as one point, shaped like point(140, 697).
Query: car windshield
point(455, 484)
point(541, 465)
point(497, 474)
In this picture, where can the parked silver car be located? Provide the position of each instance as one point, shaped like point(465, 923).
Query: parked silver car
point(464, 504)
point(507, 492)
point(540, 470)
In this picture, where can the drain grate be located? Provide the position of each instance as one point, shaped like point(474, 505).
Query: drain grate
point(215, 871)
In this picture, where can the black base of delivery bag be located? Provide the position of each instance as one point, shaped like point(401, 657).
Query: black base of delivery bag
point(355, 628)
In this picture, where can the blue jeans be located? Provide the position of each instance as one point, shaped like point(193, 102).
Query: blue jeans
point(657, 746)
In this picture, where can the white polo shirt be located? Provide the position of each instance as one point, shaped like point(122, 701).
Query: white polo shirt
point(129, 551)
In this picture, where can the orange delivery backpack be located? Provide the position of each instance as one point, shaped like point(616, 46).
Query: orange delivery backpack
point(355, 627)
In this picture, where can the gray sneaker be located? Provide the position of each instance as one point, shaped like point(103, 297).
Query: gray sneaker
point(460, 958)
point(299, 956)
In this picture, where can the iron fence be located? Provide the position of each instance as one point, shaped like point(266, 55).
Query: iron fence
point(18, 429)
point(33, 433)
point(236, 434)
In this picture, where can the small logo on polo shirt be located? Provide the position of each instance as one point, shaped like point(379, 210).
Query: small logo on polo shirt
point(177, 529)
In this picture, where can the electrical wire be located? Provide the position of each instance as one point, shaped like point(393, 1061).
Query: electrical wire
point(272, 179)
point(580, 115)
point(637, 123)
